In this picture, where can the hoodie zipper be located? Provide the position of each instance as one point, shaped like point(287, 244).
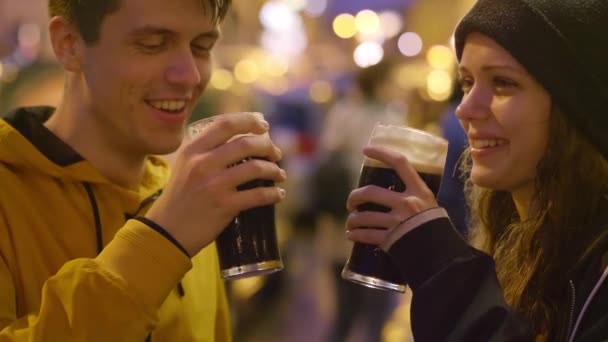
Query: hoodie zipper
point(572, 293)
point(99, 234)
point(96, 216)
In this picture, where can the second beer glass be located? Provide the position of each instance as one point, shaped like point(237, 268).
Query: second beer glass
point(368, 265)
point(248, 245)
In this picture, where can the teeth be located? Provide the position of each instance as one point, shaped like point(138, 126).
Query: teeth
point(486, 143)
point(172, 106)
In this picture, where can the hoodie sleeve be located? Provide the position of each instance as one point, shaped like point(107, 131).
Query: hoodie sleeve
point(456, 294)
point(113, 297)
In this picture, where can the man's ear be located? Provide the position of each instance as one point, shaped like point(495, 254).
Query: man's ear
point(67, 43)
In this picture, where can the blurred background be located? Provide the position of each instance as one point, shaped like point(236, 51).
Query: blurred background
point(322, 72)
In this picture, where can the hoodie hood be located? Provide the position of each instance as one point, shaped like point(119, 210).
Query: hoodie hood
point(28, 145)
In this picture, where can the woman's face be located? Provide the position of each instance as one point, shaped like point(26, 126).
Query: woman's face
point(505, 113)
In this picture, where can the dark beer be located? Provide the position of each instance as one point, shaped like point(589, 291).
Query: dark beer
point(368, 264)
point(248, 245)
point(370, 260)
point(250, 241)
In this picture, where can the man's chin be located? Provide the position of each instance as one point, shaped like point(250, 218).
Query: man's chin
point(166, 147)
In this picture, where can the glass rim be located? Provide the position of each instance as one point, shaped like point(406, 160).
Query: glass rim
point(430, 137)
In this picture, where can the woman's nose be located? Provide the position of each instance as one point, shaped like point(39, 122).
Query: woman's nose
point(475, 105)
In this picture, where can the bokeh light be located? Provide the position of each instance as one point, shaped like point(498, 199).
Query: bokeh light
point(321, 91)
point(277, 16)
point(315, 8)
point(367, 22)
point(287, 42)
point(390, 23)
point(440, 57)
point(275, 65)
point(246, 71)
point(410, 44)
point(221, 79)
point(344, 26)
point(368, 54)
point(439, 85)
point(296, 5)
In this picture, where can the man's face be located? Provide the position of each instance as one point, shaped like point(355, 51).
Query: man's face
point(146, 71)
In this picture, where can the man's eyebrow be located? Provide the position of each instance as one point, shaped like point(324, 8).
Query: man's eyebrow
point(213, 34)
point(151, 30)
point(163, 31)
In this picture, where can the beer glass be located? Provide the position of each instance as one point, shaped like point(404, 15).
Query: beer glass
point(248, 246)
point(368, 265)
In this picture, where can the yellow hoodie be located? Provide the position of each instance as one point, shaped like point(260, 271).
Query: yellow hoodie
point(56, 213)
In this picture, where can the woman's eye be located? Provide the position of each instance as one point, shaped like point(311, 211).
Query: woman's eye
point(465, 84)
point(502, 83)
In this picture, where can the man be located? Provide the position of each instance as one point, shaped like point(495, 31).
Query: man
point(97, 242)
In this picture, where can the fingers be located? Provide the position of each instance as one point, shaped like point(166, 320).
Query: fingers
point(375, 219)
point(401, 165)
point(257, 197)
point(250, 170)
point(370, 236)
point(244, 147)
point(209, 135)
point(374, 194)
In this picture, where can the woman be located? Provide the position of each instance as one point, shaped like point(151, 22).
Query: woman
point(535, 78)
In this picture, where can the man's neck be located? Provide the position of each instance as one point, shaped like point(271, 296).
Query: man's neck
point(72, 124)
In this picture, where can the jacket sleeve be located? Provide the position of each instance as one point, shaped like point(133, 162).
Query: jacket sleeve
point(456, 294)
point(113, 297)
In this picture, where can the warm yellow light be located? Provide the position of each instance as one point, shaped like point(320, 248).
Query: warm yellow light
point(275, 66)
point(440, 57)
point(439, 85)
point(246, 71)
point(344, 26)
point(367, 22)
point(275, 86)
point(321, 91)
point(221, 79)
point(295, 5)
point(1, 70)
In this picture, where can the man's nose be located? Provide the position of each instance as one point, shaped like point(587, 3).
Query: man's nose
point(185, 70)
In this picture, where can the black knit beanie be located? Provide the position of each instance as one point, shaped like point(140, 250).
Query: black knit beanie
point(561, 43)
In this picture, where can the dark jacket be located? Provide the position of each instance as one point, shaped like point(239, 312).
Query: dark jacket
point(457, 297)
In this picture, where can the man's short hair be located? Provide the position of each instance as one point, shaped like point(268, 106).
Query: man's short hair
point(88, 15)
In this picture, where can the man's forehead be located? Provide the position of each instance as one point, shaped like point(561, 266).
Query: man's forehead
point(174, 15)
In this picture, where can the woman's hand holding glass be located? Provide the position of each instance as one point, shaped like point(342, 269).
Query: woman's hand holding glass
point(416, 198)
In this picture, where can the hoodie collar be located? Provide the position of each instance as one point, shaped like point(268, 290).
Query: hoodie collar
point(30, 123)
point(25, 143)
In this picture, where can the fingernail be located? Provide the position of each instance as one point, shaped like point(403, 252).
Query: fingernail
point(265, 124)
point(282, 192)
point(283, 173)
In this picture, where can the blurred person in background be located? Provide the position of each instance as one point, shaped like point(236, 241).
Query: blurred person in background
point(40, 83)
point(535, 81)
point(347, 128)
point(98, 242)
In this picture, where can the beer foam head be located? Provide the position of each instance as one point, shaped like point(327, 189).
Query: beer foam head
point(199, 126)
point(426, 152)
